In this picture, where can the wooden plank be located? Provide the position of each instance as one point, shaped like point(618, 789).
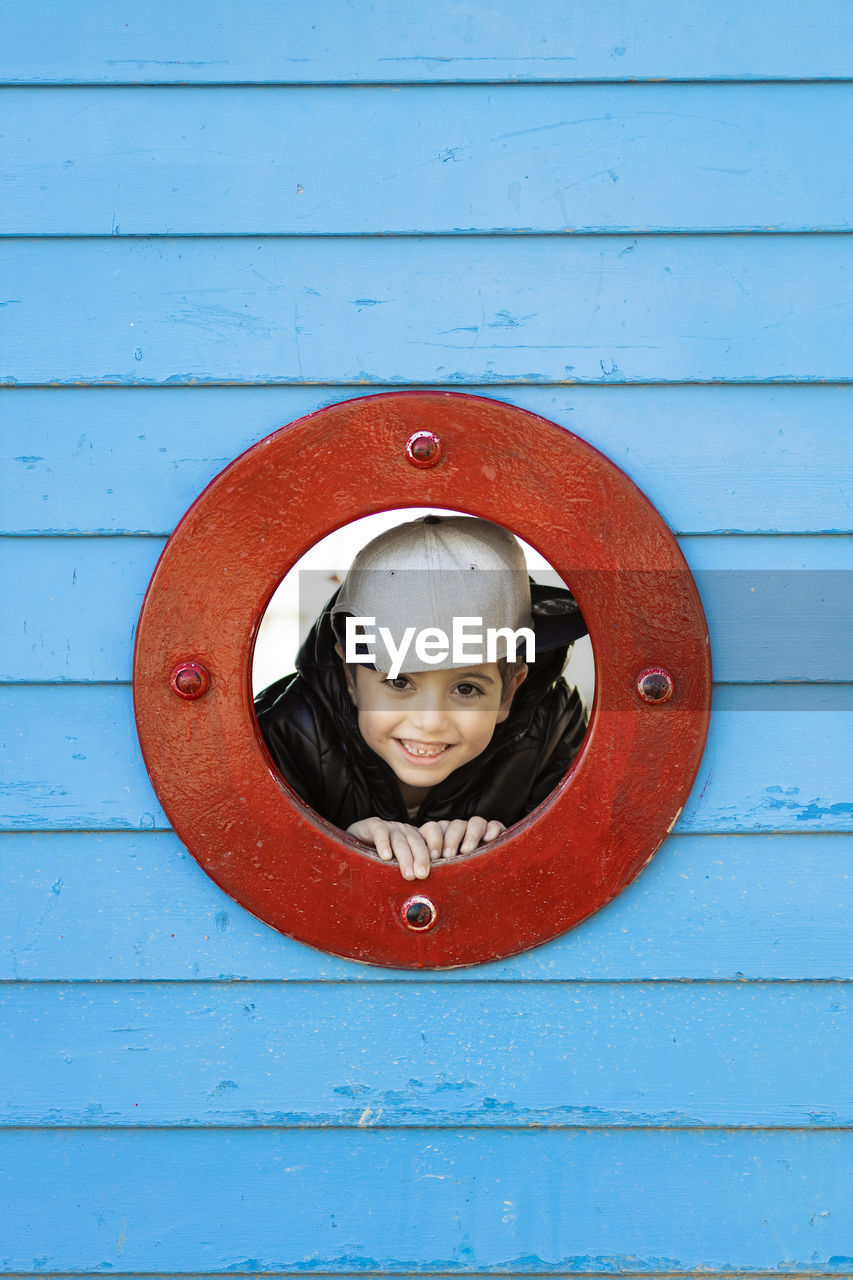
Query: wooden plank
point(744, 458)
point(778, 609)
point(511, 1275)
point(449, 311)
point(549, 1201)
point(59, 750)
point(78, 615)
point(437, 159)
point(137, 906)
point(775, 761)
point(505, 1056)
point(191, 41)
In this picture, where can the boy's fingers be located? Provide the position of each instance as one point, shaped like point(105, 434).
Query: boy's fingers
point(415, 848)
point(452, 836)
point(403, 853)
point(434, 837)
point(420, 853)
point(474, 834)
point(373, 831)
point(383, 846)
point(380, 836)
point(411, 852)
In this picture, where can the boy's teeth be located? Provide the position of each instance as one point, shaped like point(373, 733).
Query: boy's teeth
point(422, 749)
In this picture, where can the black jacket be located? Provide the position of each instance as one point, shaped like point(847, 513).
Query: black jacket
point(309, 725)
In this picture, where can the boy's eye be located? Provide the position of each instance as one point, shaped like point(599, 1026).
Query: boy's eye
point(468, 690)
point(399, 683)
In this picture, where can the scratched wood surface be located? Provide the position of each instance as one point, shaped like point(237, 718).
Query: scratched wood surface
point(541, 158)
point(558, 1200)
point(218, 218)
point(401, 41)
point(451, 310)
point(689, 1055)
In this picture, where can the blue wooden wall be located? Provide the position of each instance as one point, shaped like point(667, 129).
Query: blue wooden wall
point(633, 218)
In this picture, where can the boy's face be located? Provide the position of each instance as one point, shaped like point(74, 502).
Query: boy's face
point(427, 724)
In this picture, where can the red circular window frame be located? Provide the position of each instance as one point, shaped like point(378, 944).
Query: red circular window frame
point(278, 858)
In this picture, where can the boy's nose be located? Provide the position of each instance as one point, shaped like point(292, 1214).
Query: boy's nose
point(429, 716)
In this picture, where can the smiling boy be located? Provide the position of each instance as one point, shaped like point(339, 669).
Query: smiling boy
point(434, 759)
point(425, 725)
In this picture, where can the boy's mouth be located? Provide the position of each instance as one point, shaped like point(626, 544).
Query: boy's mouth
point(423, 750)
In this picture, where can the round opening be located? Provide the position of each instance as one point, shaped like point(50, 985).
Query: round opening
point(457, 747)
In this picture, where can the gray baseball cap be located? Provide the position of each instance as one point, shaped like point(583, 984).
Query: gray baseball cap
point(424, 575)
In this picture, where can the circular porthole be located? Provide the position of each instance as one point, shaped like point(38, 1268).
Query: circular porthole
point(193, 664)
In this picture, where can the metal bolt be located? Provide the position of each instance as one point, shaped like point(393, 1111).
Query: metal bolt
point(419, 914)
point(655, 685)
point(424, 449)
point(190, 680)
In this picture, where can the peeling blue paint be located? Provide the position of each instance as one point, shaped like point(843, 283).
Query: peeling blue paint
point(814, 811)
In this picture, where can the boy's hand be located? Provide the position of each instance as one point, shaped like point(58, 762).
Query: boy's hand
point(460, 835)
point(414, 848)
point(402, 841)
